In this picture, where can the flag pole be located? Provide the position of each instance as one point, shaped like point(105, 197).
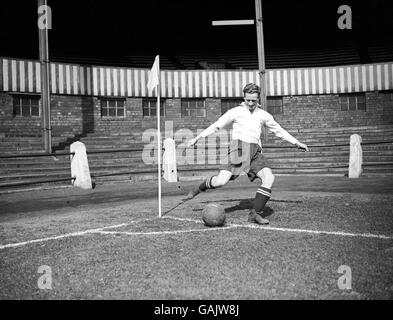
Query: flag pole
point(159, 138)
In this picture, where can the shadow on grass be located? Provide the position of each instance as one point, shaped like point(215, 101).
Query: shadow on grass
point(247, 204)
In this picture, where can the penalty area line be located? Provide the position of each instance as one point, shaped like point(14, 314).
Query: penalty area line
point(335, 233)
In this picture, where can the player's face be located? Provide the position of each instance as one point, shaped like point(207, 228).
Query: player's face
point(251, 100)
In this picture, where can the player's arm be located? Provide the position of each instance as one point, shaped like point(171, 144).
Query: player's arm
point(280, 132)
point(207, 132)
point(223, 121)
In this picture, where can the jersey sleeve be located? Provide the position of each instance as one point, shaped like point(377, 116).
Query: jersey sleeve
point(278, 131)
point(226, 119)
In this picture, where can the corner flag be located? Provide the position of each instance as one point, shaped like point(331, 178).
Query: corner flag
point(154, 82)
point(154, 73)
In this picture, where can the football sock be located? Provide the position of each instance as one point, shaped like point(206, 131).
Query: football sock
point(206, 184)
point(262, 196)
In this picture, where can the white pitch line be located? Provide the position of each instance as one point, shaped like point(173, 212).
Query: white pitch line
point(67, 235)
point(336, 233)
point(166, 232)
point(228, 226)
point(73, 234)
point(182, 219)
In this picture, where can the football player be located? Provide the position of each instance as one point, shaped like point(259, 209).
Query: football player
point(245, 150)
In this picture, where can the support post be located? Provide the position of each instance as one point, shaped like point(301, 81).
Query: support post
point(355, 156)
point(45, 78)
point(169, 160)
point(261, 59)
point(80, 166)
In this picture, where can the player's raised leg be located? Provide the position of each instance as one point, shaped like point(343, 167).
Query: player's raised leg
point(212, 182)
point(262, 196)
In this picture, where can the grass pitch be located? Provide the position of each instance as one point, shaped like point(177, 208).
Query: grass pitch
point(109, 243)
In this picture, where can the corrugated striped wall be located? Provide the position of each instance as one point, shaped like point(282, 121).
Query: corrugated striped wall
point(25, 76)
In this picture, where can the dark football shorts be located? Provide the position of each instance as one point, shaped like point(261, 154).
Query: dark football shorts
point(244, 156)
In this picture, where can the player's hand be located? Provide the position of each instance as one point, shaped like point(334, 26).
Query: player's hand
point(191, 142)
point(302, 146)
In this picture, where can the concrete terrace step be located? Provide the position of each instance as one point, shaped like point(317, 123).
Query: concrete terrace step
point(66, 166)
point(114, 134)
point(65, 160)
point(30, 176)
point(189, 162)
point(104, 141)
point(382, 144)
point(65, 173)
point(126, 178)
point(125, 157)
point(129, 165)
point(12, 172)
point(31, 166)
point(267, 148)
point(126, 141)
point(349, 129)
point(18, 139)
point(345, 138)
point(20, 142)
point(192, 173)
point(328, 128)
point(294, 126)
point(226, 134)
point(109, 143)
point(226, 131)
point(298, 129)
point(332, 141)
point(91, 148)
point(197, 171)
point(203, 174)
point(101, 131)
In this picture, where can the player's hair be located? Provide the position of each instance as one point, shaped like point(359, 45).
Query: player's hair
point(251, 88)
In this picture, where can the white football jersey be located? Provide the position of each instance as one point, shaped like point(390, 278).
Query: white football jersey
point(247, 126)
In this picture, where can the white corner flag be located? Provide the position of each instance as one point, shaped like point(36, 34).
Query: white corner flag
point(154, 74)
point(154, 82)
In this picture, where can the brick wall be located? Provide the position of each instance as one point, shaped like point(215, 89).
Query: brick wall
point(173, 114)
point(18, 125)
point(74, 116)
point(324, 111)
